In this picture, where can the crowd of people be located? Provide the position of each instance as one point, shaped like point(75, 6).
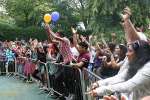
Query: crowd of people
point(124, 68)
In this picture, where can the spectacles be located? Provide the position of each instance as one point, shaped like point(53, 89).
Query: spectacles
point(135, 45)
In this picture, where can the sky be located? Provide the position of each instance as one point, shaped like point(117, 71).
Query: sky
point(1, 8)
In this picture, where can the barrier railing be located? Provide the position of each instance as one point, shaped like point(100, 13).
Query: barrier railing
point(7, 67)
point(62, 80)
point(19, 66)
point(88, 78)
point(65, 80)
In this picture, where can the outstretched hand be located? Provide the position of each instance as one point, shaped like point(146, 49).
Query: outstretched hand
point(92, 93)
point(113, 98)
point(73, 30)
point(126, 13)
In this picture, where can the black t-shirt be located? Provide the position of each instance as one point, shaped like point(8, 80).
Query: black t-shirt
point(41, 56)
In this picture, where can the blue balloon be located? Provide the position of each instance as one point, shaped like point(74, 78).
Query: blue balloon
point(55, 16)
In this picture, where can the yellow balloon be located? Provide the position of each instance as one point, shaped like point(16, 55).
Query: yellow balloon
point(47, 18)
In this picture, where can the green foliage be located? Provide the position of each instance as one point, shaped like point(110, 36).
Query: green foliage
point(27, 12)
point(106, 13)
point(9, 32)
point(100, 16)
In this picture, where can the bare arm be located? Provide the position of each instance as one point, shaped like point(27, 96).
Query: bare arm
point(74, 36)
point(78, 65)
point(130, 31)
point(141, 79)
point(51, 33)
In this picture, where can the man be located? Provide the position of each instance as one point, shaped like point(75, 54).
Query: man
point(82, 47)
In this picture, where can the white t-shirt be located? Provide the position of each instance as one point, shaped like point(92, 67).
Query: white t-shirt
point(92, 55)
point(142, 36)
point(74, 51)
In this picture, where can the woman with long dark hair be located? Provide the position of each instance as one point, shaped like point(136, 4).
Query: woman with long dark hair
point(134, 79)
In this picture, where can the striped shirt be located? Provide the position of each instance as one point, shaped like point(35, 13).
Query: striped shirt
point(65, 51)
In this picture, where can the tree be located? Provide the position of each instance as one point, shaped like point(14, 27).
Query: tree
point(27, 12)
point(105, 13)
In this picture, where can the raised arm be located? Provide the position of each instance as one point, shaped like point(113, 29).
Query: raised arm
point(75, 42)
point(130, 31)
point(51, 34)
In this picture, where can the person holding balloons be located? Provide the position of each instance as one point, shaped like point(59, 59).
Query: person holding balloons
point(59, 38)
point(64, 50)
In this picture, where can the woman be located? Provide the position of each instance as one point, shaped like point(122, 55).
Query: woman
point(39, 72)
point(134, 81)
point(135, 78)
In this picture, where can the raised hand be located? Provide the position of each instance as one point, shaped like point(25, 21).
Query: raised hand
point(73, 30)
point(126, 13)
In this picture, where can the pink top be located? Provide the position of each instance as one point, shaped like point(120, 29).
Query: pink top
point(65, 50)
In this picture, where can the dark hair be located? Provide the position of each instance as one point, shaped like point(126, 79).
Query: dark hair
point(84, 45)
point(61, 33)
point(71, 40)
point(123, 51)
point(142, 56)
point(112, 46)
point(74, 25)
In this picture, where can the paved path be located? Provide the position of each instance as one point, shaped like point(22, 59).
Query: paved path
point(15, 89)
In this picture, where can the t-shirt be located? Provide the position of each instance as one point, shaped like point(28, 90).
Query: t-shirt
point(142, 36)
point(41, 56)
point(74, 52)
point(92, 55)
point(65, 51)
point(10, 56)
point(84, 57)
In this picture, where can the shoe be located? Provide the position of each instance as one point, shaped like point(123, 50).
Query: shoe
point(54, 96)
point(40, 85)
point(29, 81)
point(44, 88)
point(24, 80)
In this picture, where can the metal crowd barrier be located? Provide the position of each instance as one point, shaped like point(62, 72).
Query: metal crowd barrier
point(2, 65)
point(87, 80)
point(65, 80)
point(10, 65)
point(19, 67)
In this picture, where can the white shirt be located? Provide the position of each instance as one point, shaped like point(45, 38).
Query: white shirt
point(74, 51)
point(142, 36)
point(137, 87)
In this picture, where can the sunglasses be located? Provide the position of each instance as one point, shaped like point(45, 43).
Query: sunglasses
point(134, 45)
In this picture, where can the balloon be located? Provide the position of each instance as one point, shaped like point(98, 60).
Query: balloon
point(55, 16)
point(47, 18)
